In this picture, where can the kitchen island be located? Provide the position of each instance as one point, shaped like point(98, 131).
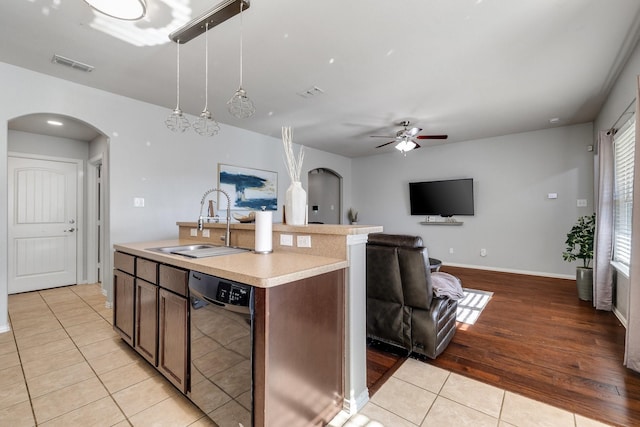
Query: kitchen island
point(299, 338)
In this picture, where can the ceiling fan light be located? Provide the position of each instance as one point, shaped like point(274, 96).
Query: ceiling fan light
point(128, 10)
point(405, 145)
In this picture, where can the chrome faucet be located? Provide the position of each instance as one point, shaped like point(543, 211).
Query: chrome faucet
point(201, 218)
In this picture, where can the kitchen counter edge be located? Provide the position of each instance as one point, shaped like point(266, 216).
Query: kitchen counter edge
point(260, 270)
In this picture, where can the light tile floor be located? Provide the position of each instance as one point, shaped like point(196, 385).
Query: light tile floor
point(63, 365)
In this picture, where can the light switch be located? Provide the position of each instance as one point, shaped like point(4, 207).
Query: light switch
point(552, 196)
point(138, 202)
point(581, 203)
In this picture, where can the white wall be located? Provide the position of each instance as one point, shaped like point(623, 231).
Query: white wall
point(171, 171)
point(521, 229)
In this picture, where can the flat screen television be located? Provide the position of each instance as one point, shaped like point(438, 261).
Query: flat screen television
point(444, 198)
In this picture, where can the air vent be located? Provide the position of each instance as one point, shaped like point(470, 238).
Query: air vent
point(312, 92)
point(58, 59)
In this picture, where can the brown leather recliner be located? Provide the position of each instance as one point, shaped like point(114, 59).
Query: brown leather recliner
point(401, 307)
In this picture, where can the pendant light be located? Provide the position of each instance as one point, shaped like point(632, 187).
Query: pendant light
point(240, 106)
point(206, 125)
point(177, 122)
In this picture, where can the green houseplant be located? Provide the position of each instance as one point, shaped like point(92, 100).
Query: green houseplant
point(580, 246)
point(352, 214)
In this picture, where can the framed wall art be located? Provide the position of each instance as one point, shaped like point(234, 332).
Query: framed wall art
point(249, 189)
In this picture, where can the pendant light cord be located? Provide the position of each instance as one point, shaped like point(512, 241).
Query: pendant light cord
point(206, 66)
point(178, 77)
point(241, 32)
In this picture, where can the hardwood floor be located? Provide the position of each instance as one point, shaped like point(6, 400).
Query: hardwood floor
point(536, 338)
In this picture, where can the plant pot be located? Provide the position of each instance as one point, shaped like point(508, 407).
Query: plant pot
point(584, 282)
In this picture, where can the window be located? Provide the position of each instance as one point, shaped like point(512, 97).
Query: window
point(624, 147)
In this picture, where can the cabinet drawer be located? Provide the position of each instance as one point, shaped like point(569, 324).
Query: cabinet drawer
point(147, 270)
point(174, 279)
point(124, 262)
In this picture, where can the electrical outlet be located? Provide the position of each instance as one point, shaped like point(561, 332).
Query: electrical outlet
point(194, 232)
point(206, 233)
point(450, 250)
point(304, 241)
point(286, 240)
point(138, 202)
point(581, 203)
point(483, 252)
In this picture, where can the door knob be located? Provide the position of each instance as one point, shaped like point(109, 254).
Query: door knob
point(71, 230)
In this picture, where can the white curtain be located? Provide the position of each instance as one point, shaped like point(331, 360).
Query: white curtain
point(604, 183)
point(632, 348)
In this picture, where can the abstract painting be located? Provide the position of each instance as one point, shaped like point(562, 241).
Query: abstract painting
point(248, 189)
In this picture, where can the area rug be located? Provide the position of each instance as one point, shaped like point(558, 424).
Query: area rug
point(470, 307)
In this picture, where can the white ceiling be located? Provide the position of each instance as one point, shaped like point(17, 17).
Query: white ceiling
point(467, 68)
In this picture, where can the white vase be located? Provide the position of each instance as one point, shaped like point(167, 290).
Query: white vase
point(295, 204)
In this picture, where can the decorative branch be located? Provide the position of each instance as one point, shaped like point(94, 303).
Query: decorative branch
point(294, 165)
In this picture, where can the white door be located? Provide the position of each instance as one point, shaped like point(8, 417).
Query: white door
point(42, 228)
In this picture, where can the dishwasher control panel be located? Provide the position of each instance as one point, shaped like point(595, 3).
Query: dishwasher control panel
point(233, 293)
point(221, 291)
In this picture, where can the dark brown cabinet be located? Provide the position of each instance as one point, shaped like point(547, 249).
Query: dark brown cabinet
point(146, 325)
point(151, 313)
point(172, 350)
point(146, 309)
point(124, 296)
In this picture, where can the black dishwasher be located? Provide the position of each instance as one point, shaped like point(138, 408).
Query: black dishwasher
point(221, 349)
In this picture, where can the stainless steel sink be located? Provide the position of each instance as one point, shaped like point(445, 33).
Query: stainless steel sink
point(199, 250)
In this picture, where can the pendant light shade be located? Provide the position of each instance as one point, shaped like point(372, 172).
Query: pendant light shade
point(128, 10)
point(206, 125)
point(240, 106)
point(177, 122)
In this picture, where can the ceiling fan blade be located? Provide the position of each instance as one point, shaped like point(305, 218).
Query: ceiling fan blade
point(413, 131)
point(432, 136)
point(381, 136)
point(386, 143)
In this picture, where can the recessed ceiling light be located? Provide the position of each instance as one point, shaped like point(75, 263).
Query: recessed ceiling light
point(554, 120)
point(54, 123)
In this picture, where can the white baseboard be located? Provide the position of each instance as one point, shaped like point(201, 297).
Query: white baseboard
point(620, 317)
point(509, 270)
point(353, 405)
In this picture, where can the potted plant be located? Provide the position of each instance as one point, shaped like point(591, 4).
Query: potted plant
point(352, 214)
point(580, 246)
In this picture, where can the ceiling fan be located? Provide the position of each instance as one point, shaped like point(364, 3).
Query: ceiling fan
point(405, 139)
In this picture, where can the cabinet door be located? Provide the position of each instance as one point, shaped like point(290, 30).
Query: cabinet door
point(146, 339)
point(123, 300)
point(172, 349)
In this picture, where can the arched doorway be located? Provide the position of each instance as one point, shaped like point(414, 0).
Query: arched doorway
point(43, 142)
point(325, 196)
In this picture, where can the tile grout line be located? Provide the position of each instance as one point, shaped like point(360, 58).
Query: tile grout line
point(49, 307)
point(24, 378)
